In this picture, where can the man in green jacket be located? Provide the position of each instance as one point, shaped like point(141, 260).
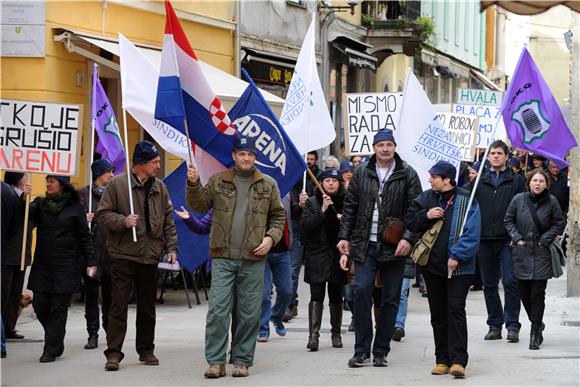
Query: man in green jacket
point(248, 219)
point(136, 262)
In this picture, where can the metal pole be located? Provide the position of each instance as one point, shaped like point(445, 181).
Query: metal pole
point(128, 171)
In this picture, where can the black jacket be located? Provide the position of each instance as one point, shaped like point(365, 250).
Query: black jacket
point(559, 188)
point(9, 206)
point(14, 242)
point(533, 260)
point(494, 202)
point(62, 240)
point(99, 231)
point(402, 187)
point(320, 237)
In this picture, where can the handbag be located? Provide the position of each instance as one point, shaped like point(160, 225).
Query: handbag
point(395, 227)
point(556, 252)
point(422, 249)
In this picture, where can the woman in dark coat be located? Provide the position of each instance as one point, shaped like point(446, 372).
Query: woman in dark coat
point(449, 271)
point(531, 253)
point(319, 227)
point(63, 245)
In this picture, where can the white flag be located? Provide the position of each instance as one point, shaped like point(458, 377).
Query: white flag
point(139, 79)
point(305, 115)
point(421, 138)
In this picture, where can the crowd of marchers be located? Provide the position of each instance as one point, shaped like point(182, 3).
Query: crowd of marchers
point(362, 229)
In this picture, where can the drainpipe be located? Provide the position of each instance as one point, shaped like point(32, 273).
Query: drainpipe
point(325, 26)
point(238, 45)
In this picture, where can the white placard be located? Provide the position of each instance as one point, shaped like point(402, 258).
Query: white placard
point(488, 117)
point(462, 131)
point(39, 137)
point(364, 115)
point(479, 97)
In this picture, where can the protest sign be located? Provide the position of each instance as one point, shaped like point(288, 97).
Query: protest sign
point(364, 115)
point(479, 97)
point(488, 117)
point(39, 137)
point(462, 131)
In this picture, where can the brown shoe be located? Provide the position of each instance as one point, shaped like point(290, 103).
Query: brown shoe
point(112, 363)
point(215, 371)
point(149, 359)
point(457, 370)
point(440, 369)
point(240, 371)
point(493, 335)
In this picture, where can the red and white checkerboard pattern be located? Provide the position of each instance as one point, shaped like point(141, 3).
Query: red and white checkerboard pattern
point(220, 118)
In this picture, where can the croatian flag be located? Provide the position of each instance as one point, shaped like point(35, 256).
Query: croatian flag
point(208, 123)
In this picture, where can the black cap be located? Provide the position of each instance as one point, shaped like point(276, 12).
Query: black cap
point(100, 167)
point(245, 143)
point(332, 173)
point(444, 169)
point(144, 151)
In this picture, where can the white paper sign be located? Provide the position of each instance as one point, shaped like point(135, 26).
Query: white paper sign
point(488, 117)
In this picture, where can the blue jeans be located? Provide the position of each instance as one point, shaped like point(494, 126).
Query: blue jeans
point(296, 258)
point(402, 312)
point(278, 268)
point(392, 279)
point(495, 258)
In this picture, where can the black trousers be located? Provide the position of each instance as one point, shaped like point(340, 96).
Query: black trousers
point(12, 283)
point(533, 295)
point(317, 293)
point(92, 302)
point(123, 274)
point(447, 306)
point(52, 311)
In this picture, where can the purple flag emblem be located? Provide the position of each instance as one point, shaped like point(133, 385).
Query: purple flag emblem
point(109, 144)
point(532, 117)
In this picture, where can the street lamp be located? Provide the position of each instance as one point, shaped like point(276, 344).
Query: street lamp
point(325, 4)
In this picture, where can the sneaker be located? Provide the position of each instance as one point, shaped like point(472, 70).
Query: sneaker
point(513, 336)
point(240, 371)
point(379, 360)
point(440, 369)
point(215, 371)
point(493, 335)
point(280, 329)
point(262, 337)
point(398, 334)
point(149, 359)
point(457, 370)
point(359, 359)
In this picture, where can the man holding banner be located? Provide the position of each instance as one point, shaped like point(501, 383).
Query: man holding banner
point(248, 219)
point(385, 187)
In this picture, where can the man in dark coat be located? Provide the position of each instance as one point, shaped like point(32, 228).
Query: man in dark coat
point(380, 189)
point(496, 189)
point(102, 173)
point(559, 187)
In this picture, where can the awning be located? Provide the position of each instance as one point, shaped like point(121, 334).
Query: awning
point(353, 51)
point(446, 63)
point(268, 57)
point(485, 80)
point(529, 7)
point(226, 86)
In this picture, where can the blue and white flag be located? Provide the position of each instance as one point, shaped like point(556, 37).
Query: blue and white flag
point(421, 138)
point(277, 155)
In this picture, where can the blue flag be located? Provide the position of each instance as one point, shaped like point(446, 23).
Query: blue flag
point(277, 155)
point(193, 248)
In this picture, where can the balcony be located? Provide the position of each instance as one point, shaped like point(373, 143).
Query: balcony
point(389, 14)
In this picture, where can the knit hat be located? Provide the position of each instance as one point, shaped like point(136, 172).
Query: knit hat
point(245, 143)
point(443, 169)
point(513, 162)
point(62, 179)
point(100, 167)
point(384, 135)
point(144, 151)
point(346, 166)
point(332, 173)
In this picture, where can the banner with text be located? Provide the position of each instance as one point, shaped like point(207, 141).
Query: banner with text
point(462, 131)
point(488, 117)
point(479, 97)
point(364, 115)
point(39, 137)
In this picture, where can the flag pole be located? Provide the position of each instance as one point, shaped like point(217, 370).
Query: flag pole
point(128, 171)
point(304, 177)
point(25, 235)
point(90, 209)
point(189, 147)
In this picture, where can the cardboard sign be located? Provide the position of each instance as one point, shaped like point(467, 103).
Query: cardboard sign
point(39, 137)
point(364, 115)
point(488, 117)
point(479, 97)
point(462, 131)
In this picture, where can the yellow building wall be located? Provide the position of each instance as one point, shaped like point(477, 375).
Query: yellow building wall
point(392, 72)
point(54, 77)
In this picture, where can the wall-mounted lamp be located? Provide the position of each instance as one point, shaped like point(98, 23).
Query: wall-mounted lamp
point(325, 4)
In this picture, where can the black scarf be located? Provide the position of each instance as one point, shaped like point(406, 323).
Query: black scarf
point(55, 203)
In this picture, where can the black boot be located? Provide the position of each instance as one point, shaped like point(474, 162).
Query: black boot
point(92, 342)
point(535, 338)
point(314, 321)
point(336, 325)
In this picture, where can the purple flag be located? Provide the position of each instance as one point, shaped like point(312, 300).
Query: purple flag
point(532, 117)
point(109, 144)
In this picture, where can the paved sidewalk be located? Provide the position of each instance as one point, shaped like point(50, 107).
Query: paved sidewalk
point(285, 360)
